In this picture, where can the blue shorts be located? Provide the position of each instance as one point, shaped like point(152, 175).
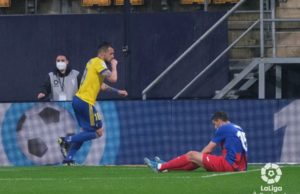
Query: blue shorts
point(87, 116)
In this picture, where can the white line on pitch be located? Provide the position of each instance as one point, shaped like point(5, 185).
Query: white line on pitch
point(96, 178)
point(229, 173)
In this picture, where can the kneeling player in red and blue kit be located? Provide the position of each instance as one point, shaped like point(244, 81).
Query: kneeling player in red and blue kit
point(233, 142)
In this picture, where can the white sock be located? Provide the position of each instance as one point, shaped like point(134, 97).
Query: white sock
point(159, 166)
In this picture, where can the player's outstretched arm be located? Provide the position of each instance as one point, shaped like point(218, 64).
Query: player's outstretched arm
point(108, 88)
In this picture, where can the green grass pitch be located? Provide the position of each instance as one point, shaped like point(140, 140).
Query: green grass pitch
point(139, 180)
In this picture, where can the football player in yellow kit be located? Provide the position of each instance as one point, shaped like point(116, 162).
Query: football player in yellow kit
point(89, 119)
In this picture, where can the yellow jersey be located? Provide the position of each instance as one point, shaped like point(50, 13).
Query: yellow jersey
point(92, 80)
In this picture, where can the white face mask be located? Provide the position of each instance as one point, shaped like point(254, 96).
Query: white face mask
point(61, 65)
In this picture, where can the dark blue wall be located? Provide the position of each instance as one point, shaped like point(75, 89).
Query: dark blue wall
point(167, 128)
point(170, 128)
point(29, 44)
point(156, 45)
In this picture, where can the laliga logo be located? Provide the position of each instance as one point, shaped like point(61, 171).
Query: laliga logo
point(271, 173)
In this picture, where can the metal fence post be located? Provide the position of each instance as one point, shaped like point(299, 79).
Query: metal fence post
point(278, 68)
point(261, 71)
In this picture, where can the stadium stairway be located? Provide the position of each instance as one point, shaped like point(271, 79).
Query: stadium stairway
point(288, 35)
point(248, 48)
point(242, 54)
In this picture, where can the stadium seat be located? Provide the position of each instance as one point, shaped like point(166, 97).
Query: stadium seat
point(225, 1)
point(5, 3)
point(96, 2)
point(190, 2)
point(133, 2)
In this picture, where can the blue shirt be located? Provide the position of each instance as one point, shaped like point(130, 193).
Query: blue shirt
point(233, 141)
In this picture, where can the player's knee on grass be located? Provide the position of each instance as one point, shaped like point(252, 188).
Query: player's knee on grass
point(99, 132)
point(194, 156)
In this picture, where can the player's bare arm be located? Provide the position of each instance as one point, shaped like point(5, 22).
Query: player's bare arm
point(108, 88)
point(111, 76)
point(209, 148)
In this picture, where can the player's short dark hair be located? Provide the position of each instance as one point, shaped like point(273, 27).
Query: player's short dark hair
point(220, 115)
point(103, 46)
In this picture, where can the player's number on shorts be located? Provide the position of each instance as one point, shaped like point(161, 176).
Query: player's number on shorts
point(242, 136)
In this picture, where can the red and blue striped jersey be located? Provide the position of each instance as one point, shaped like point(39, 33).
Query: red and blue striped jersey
point(232, 139)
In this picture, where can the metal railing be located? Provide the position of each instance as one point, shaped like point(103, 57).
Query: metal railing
point(256, 62)
point(260, 63)
point(211, 29)
point(216, 59)
point(263, 63)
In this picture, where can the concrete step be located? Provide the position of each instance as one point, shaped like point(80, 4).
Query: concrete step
point(241, 25)
point(288, 38)
point(290, 4)
point(288, 45)
point(286, 51)
point(288, 12)
point(247, 53)
point(252, 38)
point(244, 53)
point(244, 24)
point(244, 16)
point(237, 65)
point(288, 25)
point(251, 75)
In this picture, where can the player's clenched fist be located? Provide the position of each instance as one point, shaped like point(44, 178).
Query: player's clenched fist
point(114, 63)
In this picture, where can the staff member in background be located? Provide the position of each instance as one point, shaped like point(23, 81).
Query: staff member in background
point(62, 84)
